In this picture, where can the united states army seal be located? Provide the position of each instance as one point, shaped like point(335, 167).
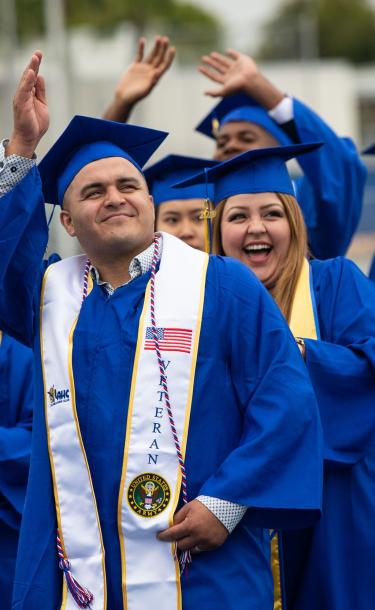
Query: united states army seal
point(148, 494)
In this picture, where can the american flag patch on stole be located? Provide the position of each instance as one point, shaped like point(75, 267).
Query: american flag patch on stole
point(170, 339)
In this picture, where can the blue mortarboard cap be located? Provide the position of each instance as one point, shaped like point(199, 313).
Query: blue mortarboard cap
point(174, 168)
point(88, 139)
point(240, 107)
point(261, 170)
point(370, 150)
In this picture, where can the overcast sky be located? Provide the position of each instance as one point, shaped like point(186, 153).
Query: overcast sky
point(244, 19)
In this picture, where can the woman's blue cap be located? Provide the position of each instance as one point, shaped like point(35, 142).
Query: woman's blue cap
point(88, 139)
point(262, 170)
point(162, 175)
point(241, 107)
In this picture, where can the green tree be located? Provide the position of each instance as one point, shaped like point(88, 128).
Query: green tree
point(186, 24)
point(323, 28)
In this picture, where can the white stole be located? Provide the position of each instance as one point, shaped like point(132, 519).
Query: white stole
point(151, 476)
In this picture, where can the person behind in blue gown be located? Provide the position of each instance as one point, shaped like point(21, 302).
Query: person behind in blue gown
point(245, 468)
point(258, 221)
point(254, 113)
point(16, 399)
point(180, 213)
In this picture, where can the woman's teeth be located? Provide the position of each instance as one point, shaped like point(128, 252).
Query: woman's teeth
point(258, 249)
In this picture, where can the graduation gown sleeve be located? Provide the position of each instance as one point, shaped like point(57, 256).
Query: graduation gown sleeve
point(342, 365)
point(276, 470)
point(330, 192)
point(23, 240)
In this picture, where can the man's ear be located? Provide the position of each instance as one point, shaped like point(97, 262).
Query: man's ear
point(67, 222)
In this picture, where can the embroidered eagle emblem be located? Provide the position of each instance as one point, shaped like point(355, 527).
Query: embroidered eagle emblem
point(148, 494)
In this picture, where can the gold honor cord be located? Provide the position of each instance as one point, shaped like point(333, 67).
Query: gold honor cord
point(275, 568)
point(207, 215)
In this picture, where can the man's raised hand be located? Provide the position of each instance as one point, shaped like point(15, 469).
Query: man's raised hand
point(30, 110)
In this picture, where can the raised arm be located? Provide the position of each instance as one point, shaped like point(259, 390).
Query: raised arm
point(30, 111)
point(23, 229)
point(140, 78)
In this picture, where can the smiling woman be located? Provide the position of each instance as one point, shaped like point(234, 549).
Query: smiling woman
point(256, 231)
point(266, 232)
point(329, 306)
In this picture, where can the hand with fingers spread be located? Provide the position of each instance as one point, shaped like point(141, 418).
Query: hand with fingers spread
point(30, 111)
point(140, 77)
point(195, 527)
point(238, 73)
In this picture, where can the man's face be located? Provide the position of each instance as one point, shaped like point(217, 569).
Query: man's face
point(108, 208)
point(237, 137)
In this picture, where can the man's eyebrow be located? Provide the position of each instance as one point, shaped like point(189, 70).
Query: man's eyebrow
point(128, 180)
point(243, 131)
point(100, 184)
point(246, 130)
point(88, 187)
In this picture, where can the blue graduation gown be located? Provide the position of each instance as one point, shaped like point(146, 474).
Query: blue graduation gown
point(16, 387)
point(331, 566)
point(250, 385)
point(331, 190)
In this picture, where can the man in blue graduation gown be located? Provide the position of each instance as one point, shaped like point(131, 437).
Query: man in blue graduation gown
point(254, 113)
point(16, 386)
point(254, 432)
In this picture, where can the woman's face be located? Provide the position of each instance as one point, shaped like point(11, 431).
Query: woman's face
point(255, 230)
point(183, 219)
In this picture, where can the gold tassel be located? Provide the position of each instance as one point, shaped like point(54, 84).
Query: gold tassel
point(207, 215)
